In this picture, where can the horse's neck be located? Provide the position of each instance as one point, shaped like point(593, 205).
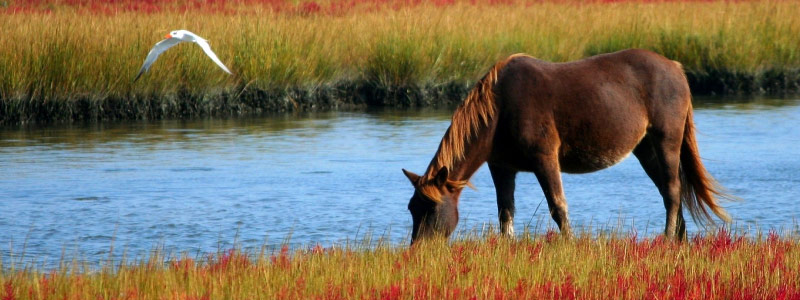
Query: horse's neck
point(464, 168)
point(476, 152)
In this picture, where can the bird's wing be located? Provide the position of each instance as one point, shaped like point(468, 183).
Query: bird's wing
point(159, 48)
point(204, 44)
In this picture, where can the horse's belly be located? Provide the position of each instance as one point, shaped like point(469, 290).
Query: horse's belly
point(578, 161)
point(600, 147)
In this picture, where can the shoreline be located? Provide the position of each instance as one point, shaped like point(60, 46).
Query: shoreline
point(244, 101)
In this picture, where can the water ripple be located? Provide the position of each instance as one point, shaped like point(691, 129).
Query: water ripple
point(200, 185)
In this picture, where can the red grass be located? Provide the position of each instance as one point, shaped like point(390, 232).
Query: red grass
point(303, 8)
point(718, 266)
point(8, 291)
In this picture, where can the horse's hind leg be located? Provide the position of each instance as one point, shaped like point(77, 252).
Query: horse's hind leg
point(504, 186)
point(660, 158)
point(548, 173)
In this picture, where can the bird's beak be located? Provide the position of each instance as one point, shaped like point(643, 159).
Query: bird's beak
point(168, 36)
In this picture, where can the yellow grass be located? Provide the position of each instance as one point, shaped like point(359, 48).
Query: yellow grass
point(67, 53)
point(717, 266)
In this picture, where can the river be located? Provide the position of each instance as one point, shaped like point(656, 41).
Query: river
point(77, 191)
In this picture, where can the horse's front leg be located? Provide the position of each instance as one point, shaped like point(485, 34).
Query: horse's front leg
point(548, 172)
point(504, 187)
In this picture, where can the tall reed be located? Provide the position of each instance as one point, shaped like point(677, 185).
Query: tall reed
point(71, 52)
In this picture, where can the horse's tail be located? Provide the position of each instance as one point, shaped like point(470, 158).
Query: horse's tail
point(699, 191)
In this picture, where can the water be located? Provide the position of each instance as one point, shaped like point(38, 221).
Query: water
point(198, 186)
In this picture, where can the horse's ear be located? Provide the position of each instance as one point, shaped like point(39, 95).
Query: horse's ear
point(441, 176)
point(414, 178)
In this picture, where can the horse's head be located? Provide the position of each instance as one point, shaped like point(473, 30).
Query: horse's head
point(434, 205)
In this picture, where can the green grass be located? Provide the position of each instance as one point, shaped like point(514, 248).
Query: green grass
point(86, 60)
point(485, 266)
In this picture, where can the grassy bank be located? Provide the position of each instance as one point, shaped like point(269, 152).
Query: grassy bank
point(717, 266)
point(75, 60)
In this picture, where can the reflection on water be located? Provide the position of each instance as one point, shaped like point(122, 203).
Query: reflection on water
point(321, 178)
point(742, 103)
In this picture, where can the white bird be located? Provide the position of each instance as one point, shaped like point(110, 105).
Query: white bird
point(172, 39)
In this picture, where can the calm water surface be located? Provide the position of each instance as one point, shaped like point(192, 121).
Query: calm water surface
point(197, 186)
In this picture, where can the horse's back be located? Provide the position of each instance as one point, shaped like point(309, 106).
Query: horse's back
point(591, 112)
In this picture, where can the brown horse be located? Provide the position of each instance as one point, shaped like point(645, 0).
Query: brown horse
point(531, 115)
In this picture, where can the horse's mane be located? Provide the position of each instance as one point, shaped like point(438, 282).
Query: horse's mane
point(477, 110)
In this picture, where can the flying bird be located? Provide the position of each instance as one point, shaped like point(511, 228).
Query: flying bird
point(172, 39)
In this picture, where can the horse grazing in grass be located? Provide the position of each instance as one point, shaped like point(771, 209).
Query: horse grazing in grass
point(535, 116)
